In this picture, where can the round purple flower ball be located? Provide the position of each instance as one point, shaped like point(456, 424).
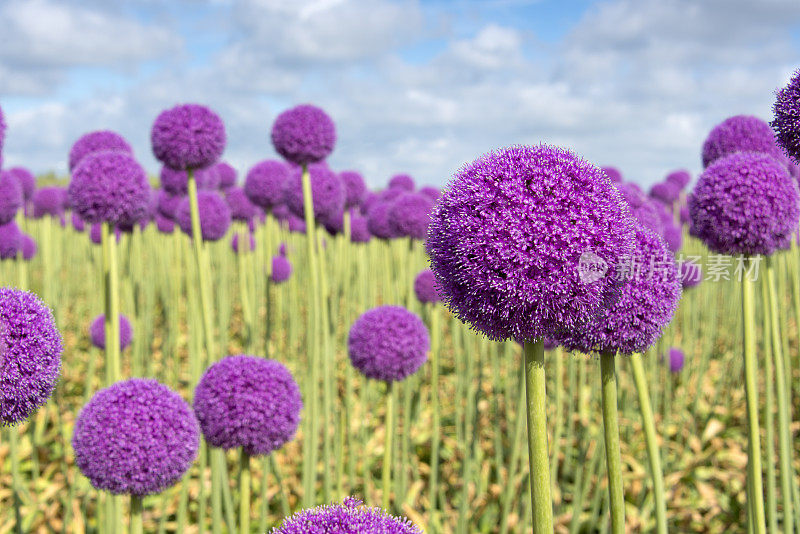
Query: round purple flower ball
point(235, 242)
point(679, 179)
point(403, 182)
point(409, 215)
point(786, 121)
point(347, 518)
point(425, 287)
point(174, 182)
point(281, 269)
point(304, 134)
point(327, 191)
point(388, 343)
point(135, 437)
point(676, 360)
point(378, 221)
point(10, 196)
point(665, 192)
point(241, 207)
point(188, 136)
point(10, 240)
point(30, 354)
point(206, 178)
point(168, 204)
point(354, 187)
point(48, 201)
point(613, 174)
point(359, 230)
point(163, 224)
point(215, 215)
point(642, 208)
point(741, 133)
point(431, 192)
point(391, 194)
point(226, 174)
point(109, 187)
point(691, 274)
point(745, 203)
point(29, 247)
point(97, 332)
point(26, 179)
point(248, 402)
point(650, 293)
point(266, 183)
point(370, 199)
point(525, 240)
point(99, 141)
point(673, 236)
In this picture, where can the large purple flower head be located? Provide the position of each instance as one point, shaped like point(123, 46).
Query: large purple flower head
point(425, 287)
point(174, 182)
point(30, 354)
point(431, 192)
point(786, 123)
point(691, 274)
point(10, 196)
point(99, 141)
point(409, 215)
point(207, 178)
point(188, 136)
point(248, 402)
point(359, 231)
point(354, 187)
point(388, 343)
point(215, 215)
point(109, 187)
point(29, 247)
point(650, 293)
point(26, 180)
point(281, 269)
point(402, 181)
point(378, 221)
point(641, 206)
point(676, 360)
point(10, 240)
point(679, 179)
point(673, 236)
point(525, 240)
point(135, 437)
point(391, 194)
point(168, 204)
point(266, 183)
point(347, 518)
point(741, 133)
point(327, 191)
point(304, 134)
point(665, 192)
point(613, 174)
point(745, 203)
point(48, 201)
point(370, 199)
point(226, 174)
point(97, 332)
point(241, 207)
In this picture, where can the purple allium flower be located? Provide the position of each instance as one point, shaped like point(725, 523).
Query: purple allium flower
point(673, 236)
point(676, 360)
point(354, 187)
point(135, 437)
point(347, 518)
point(188, 136)
point(96, 233)
point(378, 221)
point(215, 215)
point(281, 269)
point(174, 182)
point(409, 215)
point(168, 204)
point(26, 179)
point(48, 201)
point(30, 354)
point(266, 183)
point(281, 212)
point(207, 178)
point(282, 249)
point(235, 242)
point(241, 207)
point(391, 194)
point(164, 225)
point(643, 209)
point(97, 332)
point(679, 179)
point(304, 134)
point(403, 182)
point(99, 141)
point(327, 191)
point(425, 287)
point(248, 402)
point(226, 173)
point(511, 259)
point(78, 224)
point(613, 174)
point(296, 224)
point(741, 133)
point(10, 196)
point(786, 123)
point(745, 203)
point(370, 199)
point(10, 240)
point(29, 247)
point(388, 343)
point(650, 293)
point(359, 231)
point(431, 192)
point(691, 274)
point(109, 187)
point(665, 192)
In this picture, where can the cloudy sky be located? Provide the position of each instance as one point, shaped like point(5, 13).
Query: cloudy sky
point(413, 86)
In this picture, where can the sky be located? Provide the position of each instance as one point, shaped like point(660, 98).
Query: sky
point(418, 87)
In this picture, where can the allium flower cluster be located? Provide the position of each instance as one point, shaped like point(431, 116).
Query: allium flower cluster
point(347, 518)
point(241, 207)
point(10, 196)
point(354, 187)
point(215, 215)
point(49, 201)
point(409, 215)
point(378, 221)
point(679, 179)
point(10, 240)
point(281, 269)
point(304, 134)
point(98, 141)
point(97, 332)
point(741, 133)
point(29, 247)
point(188, 136)
point(665, 192)
point(26, 180)
point(676, 360)
point(403, 182)
point(642, 208)
point(266, 183)
point(226, 174)
point(327, 191)
point(425, 287)
point(786, 123)
point(613, 174)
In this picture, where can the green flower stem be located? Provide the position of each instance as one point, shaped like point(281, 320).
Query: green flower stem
point(651, 439)
point(436, 430)
point(16, 485)
point(769, 408)
point(136, 515)
point(387, 447)
point(244, 493)
point(538, 462)
point(611, 434)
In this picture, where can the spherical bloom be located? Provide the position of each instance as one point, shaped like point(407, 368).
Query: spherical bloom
point(642, 208)
point(650, 293)
point(742, 133)
point(96, 234)
point(378, 221)
point(304, 134)
point(431, 192)
point(248, 402)
point(359, 232)
point(786, 123)
point(48, 201)
point(665, 192)
point(613, 174)
point(226, 174)
point(168, 204)
point(327, 192)
point(402, 181)
point(109, 187)
point(10, 240)
point(691, 274)
point(745, 203)
point(135, 437)
point(266, 183)
point(370, 199)
point(281, 269)
point(215, 215)
point(679, 179)
point(525, 240)
point(676, 360)
point(391, 194)
point(97, 332)
point(26, 179)
point(164, 225)
point(188, 136)
point(98, 141)
point(425, 287)
point(347, 518)
point(673, 236)
point(241, 207)
point(174, 182)
point(235, 242)
point(30, 354)
point(388, 343)
point(354, 187)
point(410, 214)
point(207, 178)
point(78, 224)
point(296, 224)
point(29, 247)
point(10, 196)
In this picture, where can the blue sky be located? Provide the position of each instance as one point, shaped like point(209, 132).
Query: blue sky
point(413, 86)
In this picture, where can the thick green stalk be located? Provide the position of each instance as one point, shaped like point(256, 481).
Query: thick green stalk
point(244, 493)
point(136, 515)
point(16, 486)
point(436, 430)
point(111, 300)
point(769, 408)
point(538, 462)
point(386, 477)
point(608, 376)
